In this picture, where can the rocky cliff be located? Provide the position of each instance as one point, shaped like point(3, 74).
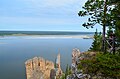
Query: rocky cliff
point(38, 68)
point(75, 73)
point(75, 54)
point(58, 67)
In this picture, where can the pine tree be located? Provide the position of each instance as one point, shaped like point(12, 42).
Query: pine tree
point(96, 45)
point(116, 20)
point(98, 12)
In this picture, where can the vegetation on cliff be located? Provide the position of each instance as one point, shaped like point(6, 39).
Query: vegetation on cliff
point(67, 72)
point(103, 12)
point(101, 65)
point(96, 45)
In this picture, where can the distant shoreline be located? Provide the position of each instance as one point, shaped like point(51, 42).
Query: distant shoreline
point(2, 33)
point(48, 36)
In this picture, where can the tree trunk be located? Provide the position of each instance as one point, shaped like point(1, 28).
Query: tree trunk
point(104, 26)
point(103, 39)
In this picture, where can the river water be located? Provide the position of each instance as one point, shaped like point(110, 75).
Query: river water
point(15, 50)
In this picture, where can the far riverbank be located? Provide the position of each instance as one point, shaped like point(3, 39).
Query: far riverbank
point(48, 36)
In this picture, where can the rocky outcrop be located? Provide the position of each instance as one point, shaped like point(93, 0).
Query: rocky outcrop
point(58, 67)
point(77, 57)
point(76, 74)
point(75, 54)
point(38, 68)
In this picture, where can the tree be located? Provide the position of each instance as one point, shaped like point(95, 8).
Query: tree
point(96, 45)
point(116, 18)
point(98, 12)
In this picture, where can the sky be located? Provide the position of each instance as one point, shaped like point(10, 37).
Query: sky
point(43, 15)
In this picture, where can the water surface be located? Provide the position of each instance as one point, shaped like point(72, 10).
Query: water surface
point(15, 50)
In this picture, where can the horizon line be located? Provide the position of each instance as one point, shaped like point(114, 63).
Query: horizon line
point(50, 30)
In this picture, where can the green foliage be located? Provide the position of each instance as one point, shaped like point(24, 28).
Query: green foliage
point(110, 63)
point(63, 77)
point(68, 71)
point(110, 29)
point(97, 44)
point(107, 65)
point(95, 10)
point(116, 20)
point(99, 11)
point(105, 13)
point(116, 17)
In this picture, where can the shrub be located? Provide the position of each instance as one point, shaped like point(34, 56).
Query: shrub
point(108, 65)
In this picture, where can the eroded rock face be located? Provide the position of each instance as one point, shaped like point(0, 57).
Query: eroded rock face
point(75, 54)
point(59, 71)
point(38, 68)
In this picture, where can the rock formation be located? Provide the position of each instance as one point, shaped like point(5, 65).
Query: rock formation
point(38, 68)
point(58, 67)
point(76, 74)
point(75, 54)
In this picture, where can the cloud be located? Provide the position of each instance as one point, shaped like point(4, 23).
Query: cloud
point(54, 3)
point(45, 8)
point(41, 7)
point(40, 13)
point(59, 3)
point(35, 20)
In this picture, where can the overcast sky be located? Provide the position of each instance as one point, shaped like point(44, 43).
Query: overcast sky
point(42, 15)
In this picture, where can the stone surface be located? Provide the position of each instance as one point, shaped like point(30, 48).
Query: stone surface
point(76, 74)
point(58, 67)
point(75, 55)
point(38, 68)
